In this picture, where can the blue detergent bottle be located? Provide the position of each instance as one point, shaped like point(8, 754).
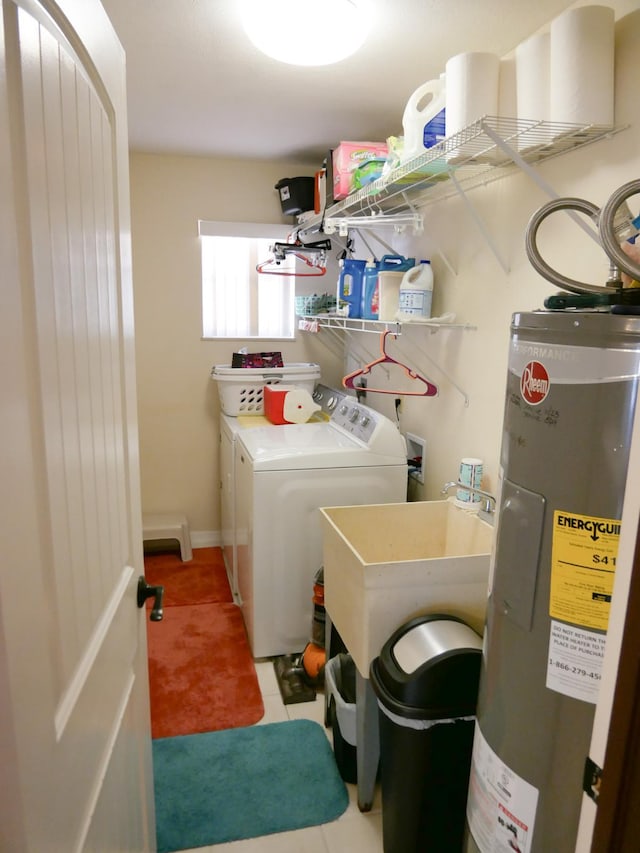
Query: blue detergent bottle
point(397, 262)
point(350, 286)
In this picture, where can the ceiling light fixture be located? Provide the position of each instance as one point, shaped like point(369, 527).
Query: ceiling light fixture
point(300, 32)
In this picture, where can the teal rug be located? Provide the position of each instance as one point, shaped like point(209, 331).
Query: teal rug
point(245, 782)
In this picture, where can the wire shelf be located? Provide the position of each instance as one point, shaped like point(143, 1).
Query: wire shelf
point(356, 324)
point(483, 152)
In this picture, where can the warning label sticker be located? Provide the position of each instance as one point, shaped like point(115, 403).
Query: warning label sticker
point(501, 807)
point(575, 661)
point(583, 565)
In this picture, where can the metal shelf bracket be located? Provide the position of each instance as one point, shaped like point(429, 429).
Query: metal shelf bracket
point(400, 221)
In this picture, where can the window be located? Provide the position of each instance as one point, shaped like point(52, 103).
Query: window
point(237, 301)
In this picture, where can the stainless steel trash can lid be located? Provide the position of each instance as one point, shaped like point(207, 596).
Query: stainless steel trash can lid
point(429, 668)
point(427, 640)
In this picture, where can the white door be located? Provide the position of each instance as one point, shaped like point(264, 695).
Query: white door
point(75, 764)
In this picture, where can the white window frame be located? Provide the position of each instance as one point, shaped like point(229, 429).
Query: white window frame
point(263, 305)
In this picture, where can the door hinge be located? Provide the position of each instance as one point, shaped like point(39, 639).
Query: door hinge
point(592, 779)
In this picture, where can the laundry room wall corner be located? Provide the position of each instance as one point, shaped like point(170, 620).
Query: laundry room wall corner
point(178, 406)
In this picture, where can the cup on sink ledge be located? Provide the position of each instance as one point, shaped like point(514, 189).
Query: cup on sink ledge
point(470, 475)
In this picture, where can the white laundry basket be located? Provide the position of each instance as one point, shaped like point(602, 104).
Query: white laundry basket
point(241, 388)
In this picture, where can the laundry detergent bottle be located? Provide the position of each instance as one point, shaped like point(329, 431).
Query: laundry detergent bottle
point(397, 263)
point(370, 291)
point(350, 287)
point(371, 281)
point(416, 292)
point(423, 121)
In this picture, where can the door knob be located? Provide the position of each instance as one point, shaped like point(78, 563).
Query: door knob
point(145, 591)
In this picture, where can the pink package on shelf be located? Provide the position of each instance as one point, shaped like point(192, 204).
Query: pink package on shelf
point(347, 157)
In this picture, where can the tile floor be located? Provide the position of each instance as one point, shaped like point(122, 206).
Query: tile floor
point(354, 831)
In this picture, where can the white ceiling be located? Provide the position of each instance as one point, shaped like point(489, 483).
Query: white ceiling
point(197, 86)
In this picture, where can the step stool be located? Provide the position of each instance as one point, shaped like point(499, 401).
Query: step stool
point(168, 527)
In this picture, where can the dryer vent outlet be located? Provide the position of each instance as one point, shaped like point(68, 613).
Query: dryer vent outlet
point(415, 455)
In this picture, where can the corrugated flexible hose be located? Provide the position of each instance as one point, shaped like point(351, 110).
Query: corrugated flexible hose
point(604, 219)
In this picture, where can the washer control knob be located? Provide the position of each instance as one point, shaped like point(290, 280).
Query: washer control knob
point(353, 417)
point(344, 409)
point(365, 420)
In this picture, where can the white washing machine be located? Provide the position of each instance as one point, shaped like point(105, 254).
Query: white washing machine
point(283, 475)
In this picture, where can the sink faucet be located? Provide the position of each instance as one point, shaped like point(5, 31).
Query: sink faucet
point(489, 504)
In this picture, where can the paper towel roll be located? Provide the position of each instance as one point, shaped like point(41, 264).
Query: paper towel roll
point(532, 88)
point(507, 88)
point(472, 89)
point(532, 77)
point(582, 66)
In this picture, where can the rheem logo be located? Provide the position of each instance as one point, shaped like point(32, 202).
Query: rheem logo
point(534, 384)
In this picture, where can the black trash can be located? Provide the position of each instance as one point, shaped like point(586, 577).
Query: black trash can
point(426, 682)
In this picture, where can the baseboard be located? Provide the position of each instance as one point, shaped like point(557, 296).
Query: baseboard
point(205, 539)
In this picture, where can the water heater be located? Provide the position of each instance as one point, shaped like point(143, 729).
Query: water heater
point(570, 400)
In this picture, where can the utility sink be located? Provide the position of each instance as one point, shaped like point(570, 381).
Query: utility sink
point(387, 563)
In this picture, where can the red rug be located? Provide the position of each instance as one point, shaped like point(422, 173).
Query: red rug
point(201, 673)
point(200, 581)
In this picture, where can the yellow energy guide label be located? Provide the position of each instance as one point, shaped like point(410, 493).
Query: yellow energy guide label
point(583, 565)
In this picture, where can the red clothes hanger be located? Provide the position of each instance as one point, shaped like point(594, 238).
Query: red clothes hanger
point(430, 389)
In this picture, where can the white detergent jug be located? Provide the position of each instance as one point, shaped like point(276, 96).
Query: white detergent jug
point(416, 292)
point(423, 121)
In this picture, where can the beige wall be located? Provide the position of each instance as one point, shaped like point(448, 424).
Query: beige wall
point(483, 294)
point(178, 404)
